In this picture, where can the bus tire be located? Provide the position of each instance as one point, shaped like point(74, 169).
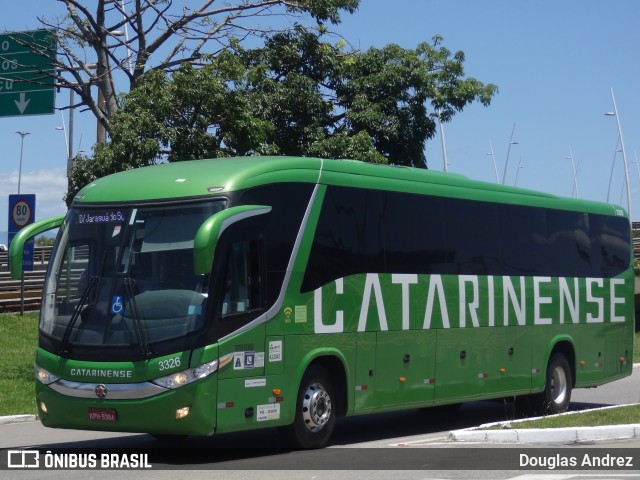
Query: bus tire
point(315, 416)
point(557, 389)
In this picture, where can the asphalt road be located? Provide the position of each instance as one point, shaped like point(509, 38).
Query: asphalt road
point(411, 444)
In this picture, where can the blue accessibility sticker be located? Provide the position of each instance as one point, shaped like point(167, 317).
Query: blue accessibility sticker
point(116, 304)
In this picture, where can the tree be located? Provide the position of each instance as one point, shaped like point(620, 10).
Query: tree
point(132, 37)
point(297, 95)
point(380, 95)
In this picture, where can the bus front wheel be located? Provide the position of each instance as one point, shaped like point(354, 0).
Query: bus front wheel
point(557, 391)
point(315, 416)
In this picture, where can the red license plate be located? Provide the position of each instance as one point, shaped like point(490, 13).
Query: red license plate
point(107, 415)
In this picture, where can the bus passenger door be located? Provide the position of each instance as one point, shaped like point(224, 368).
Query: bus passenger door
point(240, 303)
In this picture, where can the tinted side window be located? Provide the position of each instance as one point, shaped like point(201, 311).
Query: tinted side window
point(348, 237)
point(568, 243)
point(414, 234)
point(238, 275)
point(362, 231)
point(610, 246)
point(522, 233)
point(242, 279)
point(473, 235)
point(288, 202)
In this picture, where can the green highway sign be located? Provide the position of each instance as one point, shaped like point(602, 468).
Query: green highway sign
point(27, 66)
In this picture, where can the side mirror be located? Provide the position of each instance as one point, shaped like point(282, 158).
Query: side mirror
point(16, 249)
point(209, 232)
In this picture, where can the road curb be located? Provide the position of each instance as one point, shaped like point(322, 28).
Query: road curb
point(509, 433)
point(17, 419)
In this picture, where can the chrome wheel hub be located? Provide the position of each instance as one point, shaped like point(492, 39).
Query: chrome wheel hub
point(316, 407)
point(558, 385)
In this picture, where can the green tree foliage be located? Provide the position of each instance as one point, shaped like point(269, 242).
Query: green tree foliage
point(297, 95)
point(44, 241)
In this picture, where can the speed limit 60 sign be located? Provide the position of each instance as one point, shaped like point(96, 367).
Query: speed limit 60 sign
point(22, 211)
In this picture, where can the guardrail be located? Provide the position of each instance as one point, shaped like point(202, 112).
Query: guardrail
point(26, 293)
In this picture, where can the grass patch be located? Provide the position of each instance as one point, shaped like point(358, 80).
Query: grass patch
point(589, 418)
point(18, 341)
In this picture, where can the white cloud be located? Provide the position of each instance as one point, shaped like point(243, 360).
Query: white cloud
point(49, 186)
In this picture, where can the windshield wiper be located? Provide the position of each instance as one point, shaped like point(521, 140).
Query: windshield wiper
point(128, 285)
point(76, 313)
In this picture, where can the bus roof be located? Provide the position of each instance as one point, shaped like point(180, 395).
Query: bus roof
point(202, 178)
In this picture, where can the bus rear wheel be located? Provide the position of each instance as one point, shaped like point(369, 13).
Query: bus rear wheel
point(315, 416)
point(557, 391)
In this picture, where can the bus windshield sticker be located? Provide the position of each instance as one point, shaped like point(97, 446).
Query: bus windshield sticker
point(116, 305)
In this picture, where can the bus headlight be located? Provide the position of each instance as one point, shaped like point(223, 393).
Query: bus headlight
point(185, 377)
point(43, 376)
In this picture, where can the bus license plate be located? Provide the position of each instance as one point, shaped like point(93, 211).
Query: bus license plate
point(107, 415)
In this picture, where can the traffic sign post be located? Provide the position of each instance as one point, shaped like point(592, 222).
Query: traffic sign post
point(22, 212)
point(27, 68)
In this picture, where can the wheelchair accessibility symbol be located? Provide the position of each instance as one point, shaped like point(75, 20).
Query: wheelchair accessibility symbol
point(116, 304)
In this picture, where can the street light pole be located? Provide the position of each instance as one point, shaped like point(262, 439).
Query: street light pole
point(515, 184)
point(613, 164)
point(511, 142)
point(444, 146)
point(495, 167)
point(575, 173)
point(624, 154)
point(22, 135)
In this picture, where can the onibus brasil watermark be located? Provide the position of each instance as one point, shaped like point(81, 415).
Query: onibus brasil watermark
point(34, 459)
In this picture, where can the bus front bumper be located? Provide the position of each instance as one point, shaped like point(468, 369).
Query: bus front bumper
point(188, 410)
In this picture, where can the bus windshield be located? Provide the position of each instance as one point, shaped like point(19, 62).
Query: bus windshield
point(122, 279)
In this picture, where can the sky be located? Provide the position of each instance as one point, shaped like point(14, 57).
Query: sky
point(556, 64)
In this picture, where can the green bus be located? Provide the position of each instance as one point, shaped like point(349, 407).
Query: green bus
point(211, 296)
